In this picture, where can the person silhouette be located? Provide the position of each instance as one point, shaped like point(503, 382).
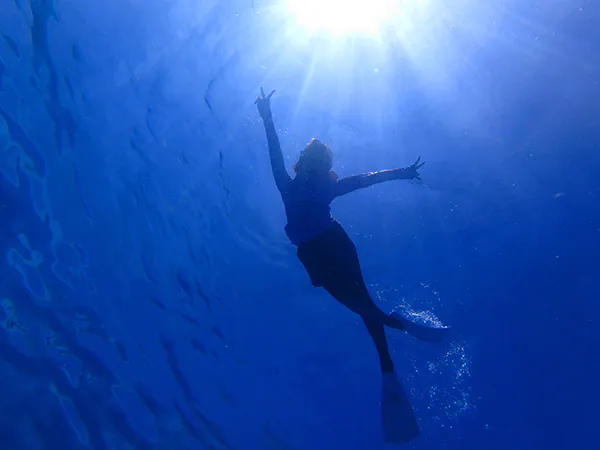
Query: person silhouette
point(325, 249)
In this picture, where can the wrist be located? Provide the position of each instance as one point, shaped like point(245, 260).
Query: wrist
point(401, 173)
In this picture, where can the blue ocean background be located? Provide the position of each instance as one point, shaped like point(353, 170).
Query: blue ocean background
point(149, 298)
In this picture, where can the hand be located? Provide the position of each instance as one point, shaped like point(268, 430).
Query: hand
point(264, 104)
point(412, 172)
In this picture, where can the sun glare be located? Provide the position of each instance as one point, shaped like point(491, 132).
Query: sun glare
point(342, 17)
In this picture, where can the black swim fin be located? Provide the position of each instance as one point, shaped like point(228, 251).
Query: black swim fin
point(422, 332)
point(398, 418)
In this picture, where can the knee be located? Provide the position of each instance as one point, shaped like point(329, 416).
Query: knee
point(367, 310)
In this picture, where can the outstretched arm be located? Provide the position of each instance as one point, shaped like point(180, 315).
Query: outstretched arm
point(349, 184)
point(281, 176)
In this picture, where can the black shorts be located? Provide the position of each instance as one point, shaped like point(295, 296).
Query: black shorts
point(331, 260)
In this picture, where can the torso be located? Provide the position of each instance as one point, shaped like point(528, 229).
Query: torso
point(307, 206)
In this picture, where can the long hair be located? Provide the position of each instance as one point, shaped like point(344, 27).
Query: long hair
point(316, 158)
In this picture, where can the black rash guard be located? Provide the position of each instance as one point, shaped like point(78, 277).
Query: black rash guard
point(307, 200)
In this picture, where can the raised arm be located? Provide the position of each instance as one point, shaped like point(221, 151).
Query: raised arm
point(282, 178)
point(349, 184)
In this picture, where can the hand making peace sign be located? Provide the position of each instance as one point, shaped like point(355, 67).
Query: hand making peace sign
point(264, 104)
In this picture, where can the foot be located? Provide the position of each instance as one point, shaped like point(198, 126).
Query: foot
point(422, 332)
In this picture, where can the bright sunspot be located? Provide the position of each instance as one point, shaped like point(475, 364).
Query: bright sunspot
point(341, 17)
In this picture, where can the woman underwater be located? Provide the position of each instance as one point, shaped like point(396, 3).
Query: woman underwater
point(324, 248)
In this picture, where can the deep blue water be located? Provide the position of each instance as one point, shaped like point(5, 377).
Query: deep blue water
point(149, 298)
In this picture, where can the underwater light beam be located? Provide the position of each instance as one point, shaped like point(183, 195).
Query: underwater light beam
point(342, 17)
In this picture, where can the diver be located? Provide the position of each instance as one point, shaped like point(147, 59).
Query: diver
point(323, 247)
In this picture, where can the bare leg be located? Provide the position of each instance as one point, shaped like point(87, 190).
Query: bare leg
point(356, 298)
point(332, 262)
point(377, 332)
